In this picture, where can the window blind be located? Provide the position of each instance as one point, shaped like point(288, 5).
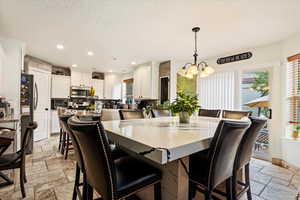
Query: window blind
point(293, 89)
point(217, 91)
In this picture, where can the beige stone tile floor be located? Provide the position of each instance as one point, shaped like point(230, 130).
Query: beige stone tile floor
point(50, 177)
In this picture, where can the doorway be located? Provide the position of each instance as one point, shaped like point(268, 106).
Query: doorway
point(42, 80)
point(164, 89)
point(255, 97)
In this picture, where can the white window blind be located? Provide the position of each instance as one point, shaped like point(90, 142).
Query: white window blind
point(217, 91)
point(293, 89)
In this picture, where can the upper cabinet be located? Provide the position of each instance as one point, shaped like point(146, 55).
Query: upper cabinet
point(112, 86)
point(145, 81)
point(98, 85)
point(81, 79)
point(60, 86)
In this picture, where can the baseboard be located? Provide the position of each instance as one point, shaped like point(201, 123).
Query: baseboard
point(281, 163)
point(54, 134)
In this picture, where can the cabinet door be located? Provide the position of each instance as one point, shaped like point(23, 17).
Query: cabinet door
point(54, 122)
point(146, 84)
point(60, 86)
point(86, 79)
point(98, 86)
point(136, 84)
point(76, 78)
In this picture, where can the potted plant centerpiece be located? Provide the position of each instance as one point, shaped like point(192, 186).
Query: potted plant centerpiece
point(296, 132)
point(185, 105)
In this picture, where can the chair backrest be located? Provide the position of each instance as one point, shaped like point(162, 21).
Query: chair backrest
point(96, 153)
point(160, 113)
point(109, 115)
point(233, 114)
point(77, 151)
point(131, 114)
point(246, 147)
point(209, 113)
point(26, 137)
point(223, 150)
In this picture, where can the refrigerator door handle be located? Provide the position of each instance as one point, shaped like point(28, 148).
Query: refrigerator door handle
point(36, 96)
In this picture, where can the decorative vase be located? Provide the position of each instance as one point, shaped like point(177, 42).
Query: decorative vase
point(184, 117)
point(295, 135)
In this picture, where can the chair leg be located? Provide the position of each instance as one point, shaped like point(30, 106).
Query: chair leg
point(63, 142)
point(192, 191)
point(89, 192)
point(22, 183)
point(233, 186)
point(76, 184)
point(67, 146)
point(229, 188)
point(208, 195)
point(25, 179)
point(247, 177)
point(157, 191)
point(84, 189)
point(60, 140)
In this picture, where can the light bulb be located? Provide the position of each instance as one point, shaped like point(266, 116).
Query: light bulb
point(189, 76)
point(182, 72)
point(193, 69)
point(209, 70)
point(203, 74)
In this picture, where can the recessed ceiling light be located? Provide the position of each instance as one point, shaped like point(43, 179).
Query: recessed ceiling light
point(90, 53)
point(110, 71)
point(133, 63)
point(74, 65)
point(60, 46)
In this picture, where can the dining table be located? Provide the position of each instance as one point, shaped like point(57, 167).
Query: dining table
point(166, 144)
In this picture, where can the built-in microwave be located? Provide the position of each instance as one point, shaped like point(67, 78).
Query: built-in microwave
point(82, 92)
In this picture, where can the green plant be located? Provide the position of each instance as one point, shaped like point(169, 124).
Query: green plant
point(298, 129)
point(184, 103)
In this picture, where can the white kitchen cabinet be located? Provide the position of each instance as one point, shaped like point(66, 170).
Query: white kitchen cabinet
point(145, 81)
point(98, 85)
point(112, 86)
point(60, 86)
point(81, 78)
point(54, 122)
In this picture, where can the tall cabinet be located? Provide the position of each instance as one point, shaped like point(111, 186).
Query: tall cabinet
point(112, 86)
point(81, 78)
point(145, 81)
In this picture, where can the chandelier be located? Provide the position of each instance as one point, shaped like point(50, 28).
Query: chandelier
point(189, 70)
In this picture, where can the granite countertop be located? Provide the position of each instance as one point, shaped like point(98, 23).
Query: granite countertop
point(163, 133)
point(8, 120)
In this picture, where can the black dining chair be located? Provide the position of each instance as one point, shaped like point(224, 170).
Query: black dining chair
point(209, 113)
point(131, 114)
point(243, 157)
point(160, 113)
point(112, 179)
point(116, 153)
point(17, 160)
point(234, 114)
point(210, 168)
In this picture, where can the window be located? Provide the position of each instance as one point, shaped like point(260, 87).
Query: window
point(293, 90)
point(217, 91)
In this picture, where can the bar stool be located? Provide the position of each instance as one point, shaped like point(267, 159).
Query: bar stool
point(210, 168)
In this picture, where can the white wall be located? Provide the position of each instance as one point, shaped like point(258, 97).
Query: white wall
point(272, 57)
point(1, 66)
point(11, 73)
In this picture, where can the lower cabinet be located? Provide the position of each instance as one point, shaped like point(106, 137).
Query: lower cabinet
point(54, 122)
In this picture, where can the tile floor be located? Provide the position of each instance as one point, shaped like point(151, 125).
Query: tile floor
point(50, 177)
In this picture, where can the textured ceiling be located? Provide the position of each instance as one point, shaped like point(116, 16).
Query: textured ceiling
point(143, 30)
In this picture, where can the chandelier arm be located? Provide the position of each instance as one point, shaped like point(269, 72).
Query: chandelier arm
point(203, 64)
